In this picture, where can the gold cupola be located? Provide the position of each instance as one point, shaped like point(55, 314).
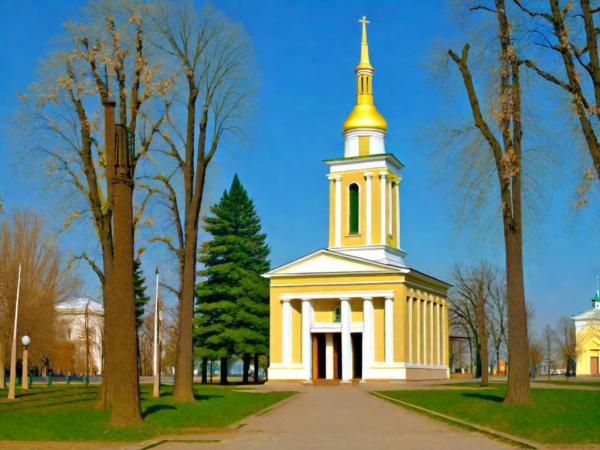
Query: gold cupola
point(364, 114)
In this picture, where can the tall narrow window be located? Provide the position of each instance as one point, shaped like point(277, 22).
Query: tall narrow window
point(353, 210)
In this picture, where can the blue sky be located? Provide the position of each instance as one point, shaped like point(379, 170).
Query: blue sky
point(306, 53)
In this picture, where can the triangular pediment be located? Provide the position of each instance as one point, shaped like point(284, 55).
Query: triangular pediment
point(330, 262)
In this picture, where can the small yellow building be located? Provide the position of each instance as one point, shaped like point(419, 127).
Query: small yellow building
point(355, 310)
point(587, 329)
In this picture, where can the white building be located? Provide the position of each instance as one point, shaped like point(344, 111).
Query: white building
point(83, 322)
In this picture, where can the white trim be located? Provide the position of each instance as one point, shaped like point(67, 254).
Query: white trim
point(367, 338)
point(286, 372)
point(431, 332)
point(390, 215)
point(398, 214)
point(368, 207)
point(338, 211)
point(346, 313)
point(382, 189)
point(335, 295)
point(329, 356)
point(389, 329)
point(335, 327)
point(419, 302)
point(384, 161)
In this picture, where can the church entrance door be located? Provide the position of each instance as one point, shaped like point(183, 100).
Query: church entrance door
point(593, 365)
point(357, 355)
point(318, 362)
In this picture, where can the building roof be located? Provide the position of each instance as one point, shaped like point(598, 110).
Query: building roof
point(79, 304)
point(592, 314)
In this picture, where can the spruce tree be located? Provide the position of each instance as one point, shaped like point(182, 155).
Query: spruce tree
point(232, 309)
point(139, 290)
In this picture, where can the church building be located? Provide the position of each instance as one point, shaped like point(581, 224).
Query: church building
point(355, 310)
point(587, 331)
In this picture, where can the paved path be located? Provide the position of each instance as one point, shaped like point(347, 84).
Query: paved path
point(338, 417)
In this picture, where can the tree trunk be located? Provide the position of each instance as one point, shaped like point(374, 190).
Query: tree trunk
point(183, 391)
point(122, 389)
point(256, 367)
point(224, 370)
point(483, 339)
point(246, 368)
point(517, 390)
point(2, 376)
point(211, 370)
point(204, 370)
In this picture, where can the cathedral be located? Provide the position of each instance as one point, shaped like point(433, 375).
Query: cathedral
point(355, 310)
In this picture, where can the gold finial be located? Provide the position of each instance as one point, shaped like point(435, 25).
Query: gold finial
point(364, 47)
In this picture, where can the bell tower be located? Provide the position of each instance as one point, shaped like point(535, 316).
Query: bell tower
point(364, 206)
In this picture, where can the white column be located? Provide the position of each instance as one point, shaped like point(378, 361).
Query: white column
point(306, 338)
point(419, 302)
point(443, 328)
point(329, 356)
point(431, 332)
point(390, 199)
point(389, 329)
point(398, 213)
point(346, 314)
point(438, 309)
point(410, 328)
point(367, 340)
point(368, 208)
point(425, 334)
point(286, 332)
point(338, 211)
point(382, 178)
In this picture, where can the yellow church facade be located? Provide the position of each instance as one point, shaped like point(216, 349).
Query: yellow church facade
point(356, 311)
point(587, 329)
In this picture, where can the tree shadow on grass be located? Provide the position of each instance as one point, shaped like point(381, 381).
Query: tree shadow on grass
point(156, 408)
point(207, 396)
point(482, 396)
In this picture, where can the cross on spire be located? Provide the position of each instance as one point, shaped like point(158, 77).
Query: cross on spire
point(363, 20)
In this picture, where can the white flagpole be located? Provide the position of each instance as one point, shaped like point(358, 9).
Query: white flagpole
point(155, 356)
point(13, 352)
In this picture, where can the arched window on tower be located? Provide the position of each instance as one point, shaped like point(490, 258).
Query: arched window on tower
point(353, 209)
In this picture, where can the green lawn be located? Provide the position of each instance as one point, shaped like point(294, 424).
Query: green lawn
point(558, 416)
point(574, 382)
point(68, 413)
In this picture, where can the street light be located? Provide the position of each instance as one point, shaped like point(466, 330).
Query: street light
point(25, 340)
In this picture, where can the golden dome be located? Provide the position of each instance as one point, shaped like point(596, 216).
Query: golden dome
point(364, 114)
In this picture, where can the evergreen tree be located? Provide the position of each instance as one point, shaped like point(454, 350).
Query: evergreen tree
point(232, 309)
point(139, 289)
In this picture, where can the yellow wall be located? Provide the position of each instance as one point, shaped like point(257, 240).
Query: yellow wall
point(356, 306)
point(324, 309)
point(296, 331)
point(588, 345)
point(275, 327)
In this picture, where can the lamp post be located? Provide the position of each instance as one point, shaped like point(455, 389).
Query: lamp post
point(25, 340)
point(155, 356)
point(13, 352)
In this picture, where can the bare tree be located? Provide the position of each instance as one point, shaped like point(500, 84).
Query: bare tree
point(105, 55)
point(44, 282)
point(548, 350)
point(468, 308)
point(505, 146)
point(580, 63)
point(211, 60)
point(496, 313)
point(567, 348)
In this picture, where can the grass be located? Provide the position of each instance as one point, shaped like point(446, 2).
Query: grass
point(67, 413)
point(557, 416)
point(564, 382)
